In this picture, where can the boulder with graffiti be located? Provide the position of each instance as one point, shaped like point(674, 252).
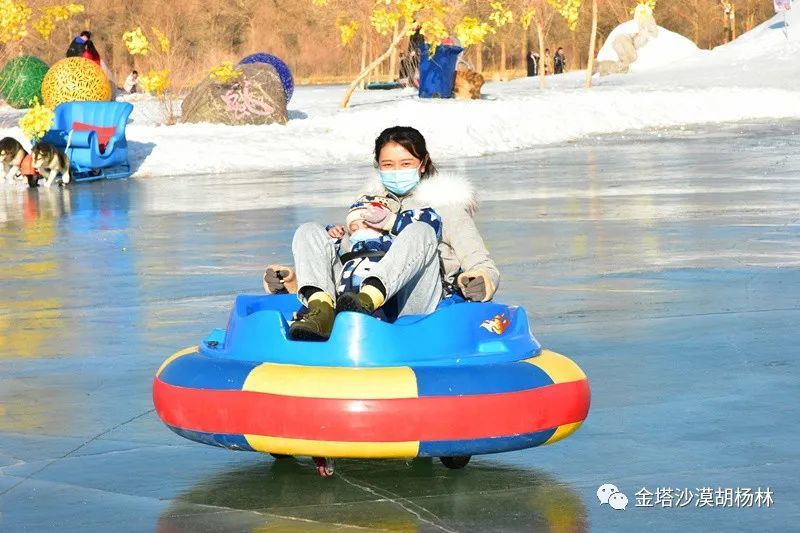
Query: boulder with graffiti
point(253, 95)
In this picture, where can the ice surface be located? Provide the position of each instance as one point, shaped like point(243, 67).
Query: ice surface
point(665, 263)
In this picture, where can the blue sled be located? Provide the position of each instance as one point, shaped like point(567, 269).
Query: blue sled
point(92, 134)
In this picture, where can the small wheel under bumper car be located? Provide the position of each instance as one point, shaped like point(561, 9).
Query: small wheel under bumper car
point(325, 466)
point(456, 462)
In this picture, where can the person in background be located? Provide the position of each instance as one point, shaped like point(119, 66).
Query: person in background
point(548, 64)
point(82, 46)
point(533, 63)
point(559, 62)
point(131, 84)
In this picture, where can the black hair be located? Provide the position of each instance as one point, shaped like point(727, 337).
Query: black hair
point(135, 72)
point(410, 139)
point(87, 34)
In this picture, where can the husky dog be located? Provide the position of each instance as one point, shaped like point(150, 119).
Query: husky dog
point(11, 155)
point(47, 157)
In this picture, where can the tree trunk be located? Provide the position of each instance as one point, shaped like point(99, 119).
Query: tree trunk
point(364, 57)
point(540, 35)
point(479, 57)
point(369, 68)
point(393, 58)
point(526, 50)
point(503, 61)
point(592, 39)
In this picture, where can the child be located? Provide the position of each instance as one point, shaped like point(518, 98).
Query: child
point(366, 243)
point(371, 224)
point(131, 84)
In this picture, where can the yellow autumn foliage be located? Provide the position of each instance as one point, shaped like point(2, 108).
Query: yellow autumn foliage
point(347, 32)
point(225, 72)
point(162, 39)
point(37, 121)
point(155, 81)
point(50, 15)
point(14, 17)
point(136, 42)
point(472, 31)
point(569, 11)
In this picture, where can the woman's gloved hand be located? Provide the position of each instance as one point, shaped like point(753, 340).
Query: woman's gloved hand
point(280, 279)
point(379, 217)
point(476, 285)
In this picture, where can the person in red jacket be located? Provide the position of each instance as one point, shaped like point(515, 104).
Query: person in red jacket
point(82, 46)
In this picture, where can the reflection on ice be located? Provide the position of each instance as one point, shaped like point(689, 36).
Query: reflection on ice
point(420, 497)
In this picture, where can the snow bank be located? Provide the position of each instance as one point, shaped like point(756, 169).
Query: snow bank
point(755, 77)
point(453, 129)
point(667, 47)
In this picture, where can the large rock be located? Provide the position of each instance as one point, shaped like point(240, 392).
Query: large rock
point(257, 97)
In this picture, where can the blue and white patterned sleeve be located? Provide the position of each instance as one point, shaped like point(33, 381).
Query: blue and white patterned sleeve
point(426, 215)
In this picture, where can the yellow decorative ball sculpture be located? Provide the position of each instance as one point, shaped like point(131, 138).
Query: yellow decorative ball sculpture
point(75, 79)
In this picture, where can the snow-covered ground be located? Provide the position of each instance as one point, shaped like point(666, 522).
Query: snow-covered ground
point(755, 77)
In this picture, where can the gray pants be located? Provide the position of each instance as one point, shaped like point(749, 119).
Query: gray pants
point(409, 271)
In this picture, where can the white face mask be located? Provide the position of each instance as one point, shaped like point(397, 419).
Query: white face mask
point(400, 181)
point(364, 234)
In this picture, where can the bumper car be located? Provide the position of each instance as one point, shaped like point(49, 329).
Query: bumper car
point(465, 380)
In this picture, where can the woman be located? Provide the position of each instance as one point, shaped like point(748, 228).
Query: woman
point(416, 265)
point(82, 46)
point(559, 62)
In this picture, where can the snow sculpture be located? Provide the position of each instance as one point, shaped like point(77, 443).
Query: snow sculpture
point(643, 42)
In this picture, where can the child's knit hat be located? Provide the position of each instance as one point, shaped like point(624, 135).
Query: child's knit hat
point(357, 212)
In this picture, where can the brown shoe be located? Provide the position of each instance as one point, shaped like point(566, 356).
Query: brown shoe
point(355, 302)
point(316, 325)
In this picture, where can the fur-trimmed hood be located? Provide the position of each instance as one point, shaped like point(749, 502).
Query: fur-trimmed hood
point(444, 189)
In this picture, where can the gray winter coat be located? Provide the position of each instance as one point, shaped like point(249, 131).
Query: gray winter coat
point(454, 199)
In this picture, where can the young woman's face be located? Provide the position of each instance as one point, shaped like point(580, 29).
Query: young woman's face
point(394, 157)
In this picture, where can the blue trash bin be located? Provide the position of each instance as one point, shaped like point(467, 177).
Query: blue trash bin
point(437, 74)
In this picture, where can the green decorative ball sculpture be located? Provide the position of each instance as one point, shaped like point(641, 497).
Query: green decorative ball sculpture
point(21, 80)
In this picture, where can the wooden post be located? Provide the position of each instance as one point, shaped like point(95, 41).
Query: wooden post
point(592, 44)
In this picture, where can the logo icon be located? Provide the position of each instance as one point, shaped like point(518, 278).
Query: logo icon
point(610, 494)
point(497, 324)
